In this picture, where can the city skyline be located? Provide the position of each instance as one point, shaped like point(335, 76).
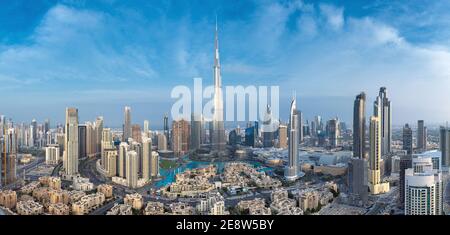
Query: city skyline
point(53, 60)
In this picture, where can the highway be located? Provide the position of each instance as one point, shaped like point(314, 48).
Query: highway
point(383, 201)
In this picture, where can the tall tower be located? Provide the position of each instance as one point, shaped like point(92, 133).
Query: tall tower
point(180, 137)
point(375, 184)
point(146, 157)
point(196, 131)
point(291, 173)
point(444, 145)
point(132, 169)
point(385, 115)
point(166, 128)
point(268, 131)
point(218, 130)
point(98, 134)
point(146, 128)
point(70, 158)
point(407, 139)
point(127, 124)
point(359, 126)
point(421, 135)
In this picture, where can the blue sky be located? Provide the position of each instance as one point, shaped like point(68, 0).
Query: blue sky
point(102, 55)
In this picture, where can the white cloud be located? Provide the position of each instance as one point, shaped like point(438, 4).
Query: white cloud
point(333, 15)
point(71, 44)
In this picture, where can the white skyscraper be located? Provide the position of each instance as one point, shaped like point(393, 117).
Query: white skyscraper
point(146, 128)
point(70, 159)
point(292, 171)
point(423, 188)
point(132, 171)
point(218, 130)
point(123, 149)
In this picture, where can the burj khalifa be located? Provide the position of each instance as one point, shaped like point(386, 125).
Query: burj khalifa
point(217, 130)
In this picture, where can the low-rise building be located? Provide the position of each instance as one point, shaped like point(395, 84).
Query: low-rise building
point(105, 189)
point(29, 188)
point(181, 208)
point(75, 196)
point(51, 182)
point(256, 206)
point(8, 198)
point(59, 197)
point(88, 203)
point(154, 208)
point(42, 194)
point(120, 209)
point(29, 208)
point(82, 184)
point(309, 200)
point(52, 154)
point(212, 204)
point(58, 209)
point(135, 200)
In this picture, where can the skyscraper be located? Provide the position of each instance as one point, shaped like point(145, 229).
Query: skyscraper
point(359, 126)
point(162, 142)
point(98, 135)
point(292, 173)
point(196, 131)
point(146, 128)
point(333, 132)
point(70, 158)
point(33, 132)
point(166, 128)
point(146, 157)
point(136, 133)
point(82, 151)
point(268, 130)
point(107, 144)
point(407, 139)
point(123, 150)
point(154, 164)
point(132, 169)
point(357, 177)
point(405, 163)
point(375, 184)
point(444, 145)
point(421, 135)
point(423, 188)
point(180, 137)
point(127, 124)
point(217, 130)
point(385, 115)
point(46, 129)
point(9, 155)
point(282, 137)
point(91, 140)
point(110, 162)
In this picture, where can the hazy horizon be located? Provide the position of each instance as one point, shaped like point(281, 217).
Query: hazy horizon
point(100, 56)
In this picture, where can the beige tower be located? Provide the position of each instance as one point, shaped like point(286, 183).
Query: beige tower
point(282, 142)
point(107, 143)
point(146, 157)
point(70, 159)
point(110, 162)
point(132, 169)
point(375, 184)
point(154, 164)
